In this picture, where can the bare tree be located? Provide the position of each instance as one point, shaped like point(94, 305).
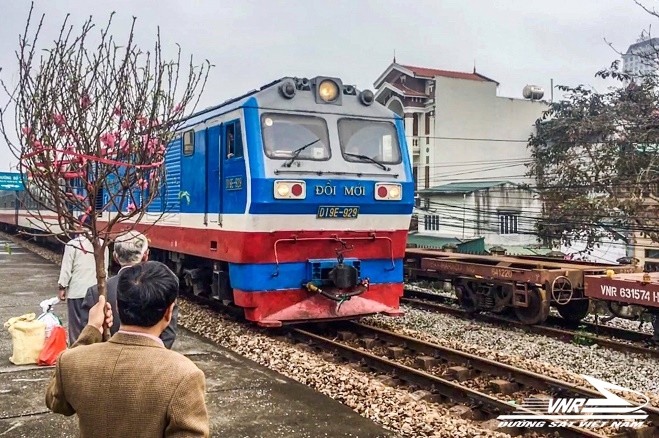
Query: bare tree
point(93, 120)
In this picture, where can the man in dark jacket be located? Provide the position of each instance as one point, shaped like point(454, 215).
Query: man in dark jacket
point(130, 249)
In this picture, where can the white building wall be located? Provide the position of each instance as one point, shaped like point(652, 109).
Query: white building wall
point(477, 215)
point(473, 124)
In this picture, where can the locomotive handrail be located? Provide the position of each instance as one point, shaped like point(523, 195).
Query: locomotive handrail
point(335, 238)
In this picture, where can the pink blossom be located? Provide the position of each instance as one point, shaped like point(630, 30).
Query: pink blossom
point(26, 130)
point(127, 124)
point(124, 146)
point(131, 207)
point(83, 218)
point(85, 101)
point(142, 120)
point(108, 139)
point(178, 108)
point(143, 184)
point(117, 111)
point(59, 119)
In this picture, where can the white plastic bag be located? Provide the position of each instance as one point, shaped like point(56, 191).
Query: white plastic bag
point(48, 316)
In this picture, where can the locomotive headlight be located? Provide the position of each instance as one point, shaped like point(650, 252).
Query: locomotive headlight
point(290, 189)
point(283, 190)
point(388, 192)
point(328, 90)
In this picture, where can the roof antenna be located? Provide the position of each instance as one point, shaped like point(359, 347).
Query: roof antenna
point(394, 56)
point(474, 65)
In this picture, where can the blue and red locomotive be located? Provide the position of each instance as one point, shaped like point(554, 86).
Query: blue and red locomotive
point(292, 202)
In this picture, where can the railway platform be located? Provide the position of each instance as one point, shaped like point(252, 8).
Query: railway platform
point(244, 399)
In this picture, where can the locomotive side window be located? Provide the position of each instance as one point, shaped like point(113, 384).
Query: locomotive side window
point(287, 136)
point(368, 138)
point(234, 140)
point(188, 143)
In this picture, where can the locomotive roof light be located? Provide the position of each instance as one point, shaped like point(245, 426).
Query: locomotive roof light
point(328, 90)
point(287, 89)
point(349, 90)
point(366, 97)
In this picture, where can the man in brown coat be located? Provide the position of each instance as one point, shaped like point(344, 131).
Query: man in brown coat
point(131, 385)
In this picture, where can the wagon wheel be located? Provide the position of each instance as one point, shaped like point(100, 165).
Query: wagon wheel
point(502, 298)
point(537, 310)
point(575, 310)
point(465, 298)
point(560, 287)
point(625, 311)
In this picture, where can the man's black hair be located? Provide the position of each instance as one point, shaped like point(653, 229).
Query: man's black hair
point(144, 292)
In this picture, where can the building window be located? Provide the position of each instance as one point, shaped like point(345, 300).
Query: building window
point(508, 223)
point(415, 124)
point(651, 254)
point(427, 128)
point(431, 222)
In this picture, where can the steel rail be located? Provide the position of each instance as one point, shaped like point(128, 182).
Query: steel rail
point(434, 303)
point(512, 373)
point(452, 391)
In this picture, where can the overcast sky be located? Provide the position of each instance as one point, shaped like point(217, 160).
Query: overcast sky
point(252, 42)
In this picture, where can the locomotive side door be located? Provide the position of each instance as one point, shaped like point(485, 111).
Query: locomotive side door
point(233, 181)
point(213, 189)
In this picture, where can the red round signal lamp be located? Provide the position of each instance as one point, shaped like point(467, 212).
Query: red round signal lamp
point(296, 190)
point(382, 192)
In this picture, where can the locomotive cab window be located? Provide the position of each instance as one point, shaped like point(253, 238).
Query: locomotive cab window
point(369, 138)
point(287, 136)
point(234, 140)
point(188, 142)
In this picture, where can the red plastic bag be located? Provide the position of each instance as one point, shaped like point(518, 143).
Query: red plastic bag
point(55, 344)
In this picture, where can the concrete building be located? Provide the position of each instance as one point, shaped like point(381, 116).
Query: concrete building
point(641, 57)
point(501, 212)
point(469, 151)
point(458, 127)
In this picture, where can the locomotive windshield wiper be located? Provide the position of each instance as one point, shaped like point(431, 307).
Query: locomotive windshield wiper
point(367, 158)
point(297, 151)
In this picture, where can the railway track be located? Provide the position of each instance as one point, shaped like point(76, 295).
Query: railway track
point(484, 388)
point(607, 336)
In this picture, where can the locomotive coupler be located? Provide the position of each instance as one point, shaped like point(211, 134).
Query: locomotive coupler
point(341, 297)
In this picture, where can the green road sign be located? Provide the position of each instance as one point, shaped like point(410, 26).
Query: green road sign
point(11, 181)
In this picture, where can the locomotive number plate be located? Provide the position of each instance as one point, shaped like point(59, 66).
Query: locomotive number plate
point(337, 212)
